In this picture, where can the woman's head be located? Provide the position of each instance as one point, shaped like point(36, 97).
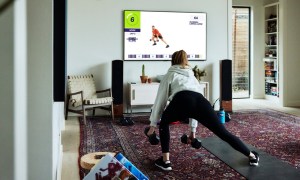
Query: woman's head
point(179, 58)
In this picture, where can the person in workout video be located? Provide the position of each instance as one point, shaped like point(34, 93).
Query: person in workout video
point(181, 88)
point(156, 36)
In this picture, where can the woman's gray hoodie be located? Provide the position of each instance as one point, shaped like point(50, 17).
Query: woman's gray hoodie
point(177, 79)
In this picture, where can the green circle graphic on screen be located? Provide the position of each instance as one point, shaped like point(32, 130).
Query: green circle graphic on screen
point(132, 19)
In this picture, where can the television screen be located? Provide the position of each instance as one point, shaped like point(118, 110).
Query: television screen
point(153, 35)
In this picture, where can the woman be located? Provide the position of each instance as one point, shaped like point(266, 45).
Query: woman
point(181, 88)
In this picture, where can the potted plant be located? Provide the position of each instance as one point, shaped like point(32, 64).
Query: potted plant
point(198, 73)
point(143, 76)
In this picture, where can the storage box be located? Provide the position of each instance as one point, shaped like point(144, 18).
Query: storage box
point(109, 168)
point(134, 170)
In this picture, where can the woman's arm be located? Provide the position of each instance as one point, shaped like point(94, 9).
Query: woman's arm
point(160, 101)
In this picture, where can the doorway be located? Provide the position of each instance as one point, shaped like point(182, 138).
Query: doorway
point(241, 52)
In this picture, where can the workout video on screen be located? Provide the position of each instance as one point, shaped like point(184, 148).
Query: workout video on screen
point(156, 35)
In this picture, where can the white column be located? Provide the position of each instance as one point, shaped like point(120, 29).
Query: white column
point(40, 89)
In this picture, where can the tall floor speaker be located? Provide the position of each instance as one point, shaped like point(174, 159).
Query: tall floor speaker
point(117, 87)
point(226, 84)
point(59, 50)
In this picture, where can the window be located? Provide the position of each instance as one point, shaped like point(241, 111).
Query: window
point(241, 52)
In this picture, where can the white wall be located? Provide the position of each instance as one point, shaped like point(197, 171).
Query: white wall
point(95, 38)
point(265, 2)
point(289, 40)
point(20, 89)
point(57, 148)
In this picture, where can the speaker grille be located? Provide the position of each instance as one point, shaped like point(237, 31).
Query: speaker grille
point(117, 81)
point(59, 51)
point(226, 80)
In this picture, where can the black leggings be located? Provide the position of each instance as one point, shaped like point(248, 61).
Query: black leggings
point(188, 104)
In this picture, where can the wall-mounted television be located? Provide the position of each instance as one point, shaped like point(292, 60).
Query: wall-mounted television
point(153, 35)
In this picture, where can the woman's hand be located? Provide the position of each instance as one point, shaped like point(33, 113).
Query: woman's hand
point(151, 130)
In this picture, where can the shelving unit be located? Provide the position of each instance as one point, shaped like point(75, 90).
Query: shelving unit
point(271, 60)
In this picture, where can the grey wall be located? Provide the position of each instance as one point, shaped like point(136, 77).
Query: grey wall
point(40, 89)
point(7, 120)
point(95, 38)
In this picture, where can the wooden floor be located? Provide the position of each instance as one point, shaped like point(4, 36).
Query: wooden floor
point(70, 136)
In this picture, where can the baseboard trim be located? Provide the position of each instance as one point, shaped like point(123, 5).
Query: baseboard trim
point(292, 104)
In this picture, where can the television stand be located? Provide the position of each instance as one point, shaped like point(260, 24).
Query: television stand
point(144, 94)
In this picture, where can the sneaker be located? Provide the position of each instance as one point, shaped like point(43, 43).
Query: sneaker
point(254, 161)
point(123, 121)
point(163, 165)
point(154, 44)
point(129, 121)
point(167, 46)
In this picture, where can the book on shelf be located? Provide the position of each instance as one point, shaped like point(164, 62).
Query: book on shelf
point(270, 73)
point(272, 26)
point(269, 65)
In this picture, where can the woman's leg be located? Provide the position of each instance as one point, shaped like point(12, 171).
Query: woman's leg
point(206, 115)
point(172, 113)
point(190, 104)
point(168, 116)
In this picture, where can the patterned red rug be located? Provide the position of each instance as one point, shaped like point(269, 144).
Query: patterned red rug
point(276, 133)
